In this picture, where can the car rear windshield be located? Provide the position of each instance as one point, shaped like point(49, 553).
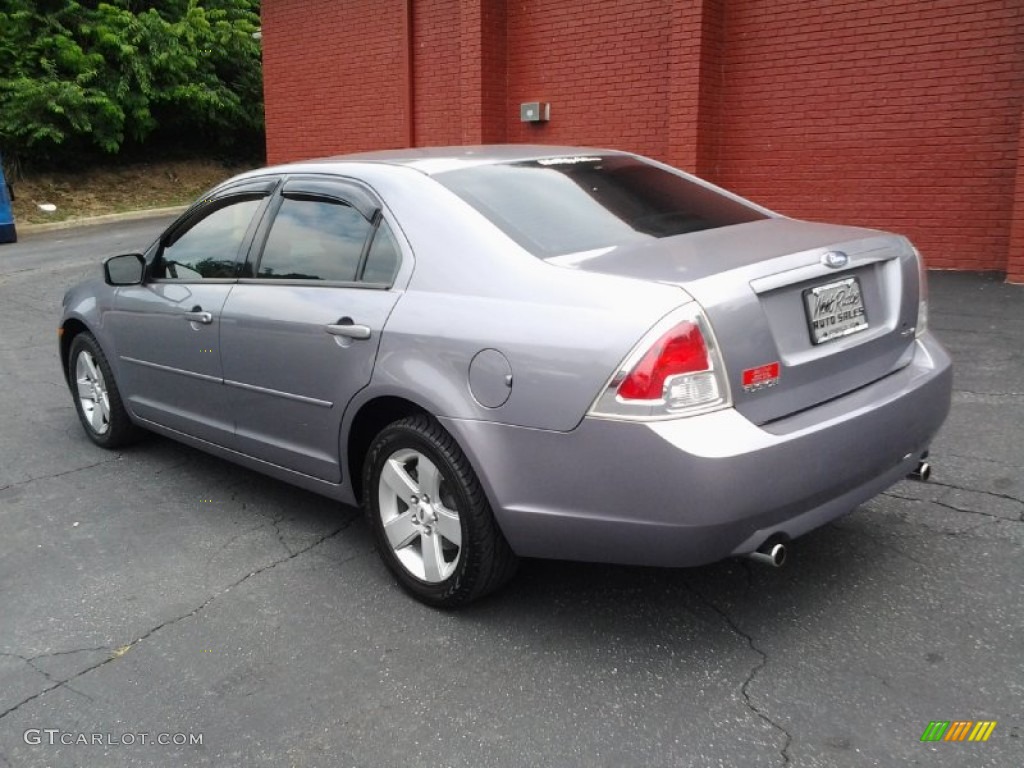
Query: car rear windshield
point(557, 206)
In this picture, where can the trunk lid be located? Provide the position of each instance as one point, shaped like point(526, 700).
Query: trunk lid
point(770, 290)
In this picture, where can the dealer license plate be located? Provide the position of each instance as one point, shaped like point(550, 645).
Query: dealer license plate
point(835, 310)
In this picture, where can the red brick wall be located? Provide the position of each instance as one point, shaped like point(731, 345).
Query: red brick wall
point(898, 115)
point(1015, 258)
point(333, 77)
point(600, 63)
point(482, 85)
point(436, 64)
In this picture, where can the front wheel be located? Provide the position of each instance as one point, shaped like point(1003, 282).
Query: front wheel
point(97, 398)
point(432, 522)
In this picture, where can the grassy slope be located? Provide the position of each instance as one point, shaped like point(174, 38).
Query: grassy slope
point(114, 189)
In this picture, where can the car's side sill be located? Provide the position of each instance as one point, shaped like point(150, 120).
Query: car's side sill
point(338, 491)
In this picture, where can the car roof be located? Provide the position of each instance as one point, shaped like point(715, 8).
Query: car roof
point(431, 160)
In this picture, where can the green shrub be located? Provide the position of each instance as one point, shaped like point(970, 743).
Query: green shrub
point(82, 78)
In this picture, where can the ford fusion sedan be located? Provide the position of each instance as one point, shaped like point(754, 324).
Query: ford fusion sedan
point(521, 351)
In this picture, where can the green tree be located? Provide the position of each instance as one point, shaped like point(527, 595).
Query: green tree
point(81, 77)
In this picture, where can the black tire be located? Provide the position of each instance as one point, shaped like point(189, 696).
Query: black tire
point(116, 428)
point(484, 560)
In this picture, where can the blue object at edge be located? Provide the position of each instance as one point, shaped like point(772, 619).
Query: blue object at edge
point(8, 234)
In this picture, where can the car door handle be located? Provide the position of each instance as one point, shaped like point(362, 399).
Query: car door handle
point(349, 330)
point(198, 316)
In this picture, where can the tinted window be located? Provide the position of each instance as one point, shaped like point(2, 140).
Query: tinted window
point(314, 240)
point(382, 261)
point(565, 205)
point(209, 246)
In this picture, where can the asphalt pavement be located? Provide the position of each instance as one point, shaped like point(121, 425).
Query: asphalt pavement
point(159, 594)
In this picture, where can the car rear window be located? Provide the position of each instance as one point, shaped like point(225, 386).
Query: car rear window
point(556, 206)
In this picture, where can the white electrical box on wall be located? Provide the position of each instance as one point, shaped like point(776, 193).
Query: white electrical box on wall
point(535, 112)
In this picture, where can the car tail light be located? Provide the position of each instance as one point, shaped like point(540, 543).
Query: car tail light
point(922, 295)
point(675, 370)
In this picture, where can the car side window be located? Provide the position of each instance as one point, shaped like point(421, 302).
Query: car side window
point(314, 239)
point(209, 247)
point(383, 258)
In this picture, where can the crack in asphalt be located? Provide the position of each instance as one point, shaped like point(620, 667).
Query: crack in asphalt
point(954, 508)
point(233, 539)
point(1007, 496)
point(61, 474)
point(276, 523)
point(744, 689)
point(119, 652)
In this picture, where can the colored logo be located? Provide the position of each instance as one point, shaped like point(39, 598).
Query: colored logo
point(958, 730)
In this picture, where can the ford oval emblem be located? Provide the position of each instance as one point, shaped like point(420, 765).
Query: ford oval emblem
point(835, 259)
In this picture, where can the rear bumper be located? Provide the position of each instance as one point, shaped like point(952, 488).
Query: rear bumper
point(692, 491)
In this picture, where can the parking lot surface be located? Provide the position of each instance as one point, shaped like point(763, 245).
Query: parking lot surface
point(159, 594)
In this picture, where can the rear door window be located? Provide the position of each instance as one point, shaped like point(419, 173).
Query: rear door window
point(314, 239)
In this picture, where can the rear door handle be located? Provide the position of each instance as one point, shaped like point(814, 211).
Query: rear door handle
point(198, 316)
point(349, 330)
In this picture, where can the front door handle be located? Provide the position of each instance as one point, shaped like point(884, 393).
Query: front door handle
point(349, 330)
point(196, 315)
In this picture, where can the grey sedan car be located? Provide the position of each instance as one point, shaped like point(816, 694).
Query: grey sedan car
point(521, 351)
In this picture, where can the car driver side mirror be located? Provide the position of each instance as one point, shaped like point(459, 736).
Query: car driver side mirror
point(126, 269)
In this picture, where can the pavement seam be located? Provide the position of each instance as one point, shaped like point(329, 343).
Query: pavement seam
point(276, 523)
point(120, 651)
point(954, 508)
point(61, 474)
point(744, 689)
point(976, 490)
point(233, 539)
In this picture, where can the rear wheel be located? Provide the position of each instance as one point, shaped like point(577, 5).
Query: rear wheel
point(96, 396)
point(432, 522)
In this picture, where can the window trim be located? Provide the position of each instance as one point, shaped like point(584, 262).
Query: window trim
point(338, 190)
point(331, 189)
point(254, 273)
point(199, 211)
point(361, 270)
point(299, 282)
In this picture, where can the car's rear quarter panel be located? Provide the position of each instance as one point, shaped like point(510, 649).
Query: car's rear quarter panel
point(564, 332)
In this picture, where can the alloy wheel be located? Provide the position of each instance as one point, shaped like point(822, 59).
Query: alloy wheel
point(420, 516)
point(92, 393)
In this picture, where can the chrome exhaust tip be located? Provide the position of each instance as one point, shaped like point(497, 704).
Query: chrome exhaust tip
point(773, 555)
point(922, 472)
